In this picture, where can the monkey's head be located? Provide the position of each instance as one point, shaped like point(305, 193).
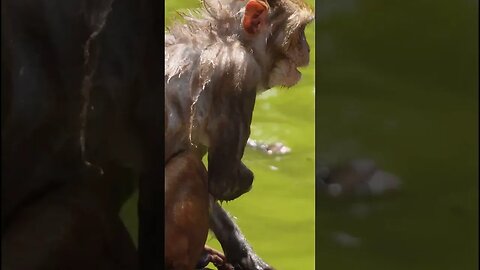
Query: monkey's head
point(278, 28)
point(272, 32)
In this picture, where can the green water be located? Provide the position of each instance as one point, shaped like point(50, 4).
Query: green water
point(397, 82)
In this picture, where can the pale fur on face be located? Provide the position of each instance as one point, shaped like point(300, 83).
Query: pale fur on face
point(289, 19)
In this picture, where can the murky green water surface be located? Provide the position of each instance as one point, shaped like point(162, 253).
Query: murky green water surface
point(397, 83)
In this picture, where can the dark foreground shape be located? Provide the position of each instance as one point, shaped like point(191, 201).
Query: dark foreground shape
point(80, 119)
point(68, 229)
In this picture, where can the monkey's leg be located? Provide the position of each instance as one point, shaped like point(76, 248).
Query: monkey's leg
point(238, 251)
point(186, 211)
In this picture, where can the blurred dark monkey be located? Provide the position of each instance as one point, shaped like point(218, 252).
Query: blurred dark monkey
point(71, 227)
point(80, 120)
point(216, 61)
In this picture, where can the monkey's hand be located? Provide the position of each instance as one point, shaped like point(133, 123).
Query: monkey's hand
point(210, 255)
point(238, 251)
point(248, 260)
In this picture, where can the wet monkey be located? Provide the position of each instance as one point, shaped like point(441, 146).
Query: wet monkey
point(217, 59)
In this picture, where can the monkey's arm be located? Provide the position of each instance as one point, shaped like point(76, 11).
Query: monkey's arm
point(238, 251)
point(228, 176)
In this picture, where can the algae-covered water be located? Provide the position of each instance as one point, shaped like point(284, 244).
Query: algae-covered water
point(397, 82)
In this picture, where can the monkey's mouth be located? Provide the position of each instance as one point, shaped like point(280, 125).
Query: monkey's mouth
point(285, 73)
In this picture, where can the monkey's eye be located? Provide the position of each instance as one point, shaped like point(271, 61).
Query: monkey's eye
point(302, 28)
point(299, 38)
point(302, 39)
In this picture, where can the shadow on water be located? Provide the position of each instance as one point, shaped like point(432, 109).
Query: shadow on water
point(397, 83)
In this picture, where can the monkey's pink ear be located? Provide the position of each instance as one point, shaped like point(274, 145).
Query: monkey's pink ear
point(255, 16)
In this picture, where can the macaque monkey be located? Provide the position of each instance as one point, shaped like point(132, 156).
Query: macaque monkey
point(215, 64)
point(216, 61)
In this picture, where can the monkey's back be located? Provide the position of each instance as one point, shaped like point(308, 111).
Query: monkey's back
point(200, 79)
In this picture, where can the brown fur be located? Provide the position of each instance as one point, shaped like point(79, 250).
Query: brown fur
point(186, 211)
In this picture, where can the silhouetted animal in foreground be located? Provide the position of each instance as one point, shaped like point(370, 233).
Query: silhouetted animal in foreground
point(80, 120)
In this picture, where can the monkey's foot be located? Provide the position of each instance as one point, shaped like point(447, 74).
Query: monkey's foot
point(249, 261)
point(211, 255)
